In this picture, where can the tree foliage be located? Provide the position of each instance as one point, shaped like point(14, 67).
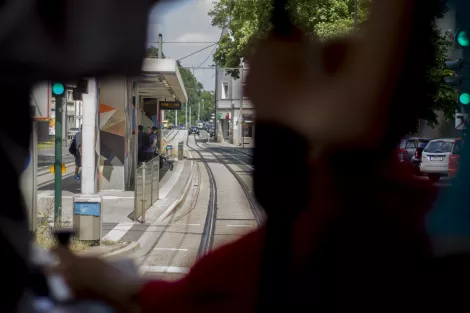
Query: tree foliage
point(442, 97)
point(196, 95)
point(246, 20)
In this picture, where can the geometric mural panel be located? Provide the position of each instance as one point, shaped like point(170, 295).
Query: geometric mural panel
point(115, 123)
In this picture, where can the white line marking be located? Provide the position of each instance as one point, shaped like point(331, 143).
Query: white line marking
point(185, 224)
point(71, 197)
point(229, 225)
point(116, 197)
point(118, 232)
point(167, 269)
point(169, 249)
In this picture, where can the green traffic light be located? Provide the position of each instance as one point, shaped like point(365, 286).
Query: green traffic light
point(58, 89)
point(462, 38)
point(464, 98)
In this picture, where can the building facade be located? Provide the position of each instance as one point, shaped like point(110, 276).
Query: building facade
point(235, 114)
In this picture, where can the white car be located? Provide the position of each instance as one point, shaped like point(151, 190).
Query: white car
point(72, 132)
point(435, 158)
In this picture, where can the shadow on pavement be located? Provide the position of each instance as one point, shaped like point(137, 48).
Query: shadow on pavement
point(73, 185)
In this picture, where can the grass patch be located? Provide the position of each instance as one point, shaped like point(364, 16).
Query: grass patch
point(46, 145)
point(44, 237)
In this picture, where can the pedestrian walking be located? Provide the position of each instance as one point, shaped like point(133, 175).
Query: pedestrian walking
point(78, 154)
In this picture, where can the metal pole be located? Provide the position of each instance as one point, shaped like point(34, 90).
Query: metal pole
point(241, 106)
point(157, 159)
point(176, 118)
point(190, 116)
point(144, 167)
point(199, 111)
point(136, 146)
point(64, 122)
point(34, 160)
point(355, 14)
point(215, 103)
point(160, 46)
point(60, 102)
point(186, 116)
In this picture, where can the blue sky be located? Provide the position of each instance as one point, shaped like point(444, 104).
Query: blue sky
point(186, 20)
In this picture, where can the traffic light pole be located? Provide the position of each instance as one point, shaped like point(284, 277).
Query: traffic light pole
point(60, 101)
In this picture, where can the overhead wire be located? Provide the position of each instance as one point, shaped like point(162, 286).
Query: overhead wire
point(196, 52)
point(206, 58)
point(220, 37)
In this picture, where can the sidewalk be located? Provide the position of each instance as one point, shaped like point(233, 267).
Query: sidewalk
point(118, 206)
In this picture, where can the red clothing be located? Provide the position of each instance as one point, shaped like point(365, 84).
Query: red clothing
point(227, 279)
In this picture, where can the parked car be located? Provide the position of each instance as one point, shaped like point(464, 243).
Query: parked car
point(193, 130)
point(454, 158)
point(407, 149)
point(435, 158)
point(208, 126)
point(416, 159)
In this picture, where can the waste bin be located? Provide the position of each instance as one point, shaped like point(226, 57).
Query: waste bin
point(87, 217)
point(169, 151)
point(180, 150)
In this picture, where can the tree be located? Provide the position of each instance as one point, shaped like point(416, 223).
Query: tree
point(248, 20)
point(442, 96)
point(152, 52)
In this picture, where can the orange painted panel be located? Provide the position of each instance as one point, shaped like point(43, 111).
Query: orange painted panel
point(106, 108)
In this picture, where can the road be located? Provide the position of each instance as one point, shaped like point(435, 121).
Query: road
point(219, 208)
point(46, 157)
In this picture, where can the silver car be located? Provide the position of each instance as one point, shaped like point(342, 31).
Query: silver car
point(72, 132)
point(435, 158)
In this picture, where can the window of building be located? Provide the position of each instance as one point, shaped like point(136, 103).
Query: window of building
point(248, 130)
point(69, 96)
point(248, 125)
point(248, 118)
point(243, 92)
point(225, 90)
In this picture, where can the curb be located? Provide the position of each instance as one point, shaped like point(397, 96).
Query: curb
point(123, 252)
point(178, 201)
point(135, 245)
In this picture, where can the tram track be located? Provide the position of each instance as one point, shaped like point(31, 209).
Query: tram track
point(255, 209)
point(207, 237)
point(217, 210)
point(174, 136)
